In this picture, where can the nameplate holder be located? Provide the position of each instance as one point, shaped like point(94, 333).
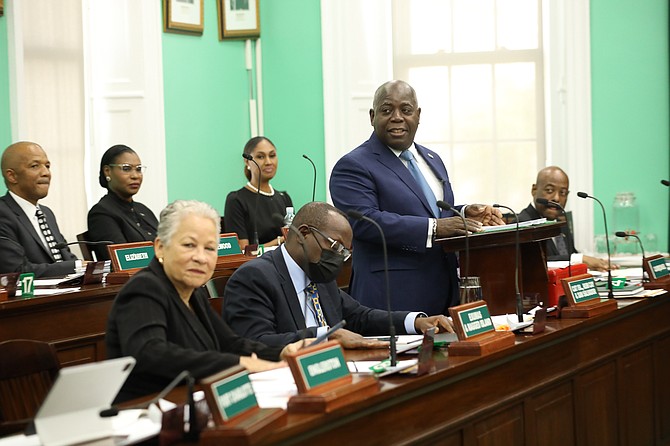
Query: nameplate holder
point(8, 284)
point(476, 334)
point(127, 259)
point(657, 271)
point(323, 380)
point(229, 254)
point(583, 299)
point(237, 417)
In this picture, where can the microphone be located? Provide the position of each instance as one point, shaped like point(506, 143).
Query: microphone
point(519, 303)
point(553, 204)
point(313, 182)
point(113, 411)
point(665, 183)
point(358, 216)
point(627, 234)
point(248, 157)
point(447, 207)
point(610, 293)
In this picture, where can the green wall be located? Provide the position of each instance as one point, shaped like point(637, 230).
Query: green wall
point(207, 112)
point(630, 78)
point(5, 121)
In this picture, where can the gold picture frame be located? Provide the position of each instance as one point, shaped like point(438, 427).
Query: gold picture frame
point(2, 7)
point(183, 16)
point(238, 19)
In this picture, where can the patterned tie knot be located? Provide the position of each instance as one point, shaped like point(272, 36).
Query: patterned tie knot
point(311, 288)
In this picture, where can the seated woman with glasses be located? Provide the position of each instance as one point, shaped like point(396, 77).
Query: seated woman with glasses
point(240, 210)
point(117, 217)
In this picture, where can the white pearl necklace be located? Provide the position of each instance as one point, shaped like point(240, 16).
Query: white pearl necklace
point(255, 189)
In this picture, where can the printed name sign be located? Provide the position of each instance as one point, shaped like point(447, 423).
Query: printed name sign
point(475, 319)
point(229, 245)
point(580, 289)
point(315, 366)
point(656, 267)
point(229, 394)
point(127, 256)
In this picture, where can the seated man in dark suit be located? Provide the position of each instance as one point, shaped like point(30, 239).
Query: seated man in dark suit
point(553, 184)
point(272, 299)
point(29, 234)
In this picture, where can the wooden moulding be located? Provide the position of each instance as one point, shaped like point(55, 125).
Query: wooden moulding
point(336, 394)
point(482, 344)
point(246, 429)
point(589, 309)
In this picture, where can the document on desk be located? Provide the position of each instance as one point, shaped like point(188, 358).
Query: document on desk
point(512, 226)
point(273, 388)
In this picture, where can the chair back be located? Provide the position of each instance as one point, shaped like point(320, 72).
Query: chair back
point(27, 371)
point(85, 249)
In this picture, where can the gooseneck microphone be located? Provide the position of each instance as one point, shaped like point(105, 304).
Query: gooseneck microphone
point(248, 157)
point(519, 303)
point(358, 216)
point(553, 204)
point(610, 293)
point(313, 181)
point(447, 207)
point(665, 183)
point(627, 234)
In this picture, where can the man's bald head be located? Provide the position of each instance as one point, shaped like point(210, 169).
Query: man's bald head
point(26, 170)
point(553, 184)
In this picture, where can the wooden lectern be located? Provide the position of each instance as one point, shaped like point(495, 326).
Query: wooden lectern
point(492, 258)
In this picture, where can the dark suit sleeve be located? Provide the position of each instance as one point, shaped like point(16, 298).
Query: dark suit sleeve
point(103, 226)
point(255, 307)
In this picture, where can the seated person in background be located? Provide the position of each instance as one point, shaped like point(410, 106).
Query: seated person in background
point(116, 217)
point(29, 234)
point(553, 184)
point(240, 210)
point(271, 299)
point(162, 316)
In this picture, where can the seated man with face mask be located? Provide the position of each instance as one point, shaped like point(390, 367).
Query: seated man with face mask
point(291, 293)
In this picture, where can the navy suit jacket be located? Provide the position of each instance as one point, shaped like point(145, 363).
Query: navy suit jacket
point(21, 248)
point(372, 180)
point(150, 322)
point(260, 303)
point(530, 213)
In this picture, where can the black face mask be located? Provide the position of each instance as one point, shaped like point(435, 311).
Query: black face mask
point(327, 268)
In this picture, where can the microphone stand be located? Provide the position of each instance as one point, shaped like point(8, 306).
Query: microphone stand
point(610, 293)
point(553, 204)
point(313, 182)
point(447, 207)
point(519, 303)
point(258, 194)
point(358, 216)
point(626, 234)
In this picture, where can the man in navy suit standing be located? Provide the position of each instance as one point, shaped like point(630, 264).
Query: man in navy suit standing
point(396, 182)
point(29, 234)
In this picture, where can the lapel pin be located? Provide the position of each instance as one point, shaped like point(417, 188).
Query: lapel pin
point(430, 155)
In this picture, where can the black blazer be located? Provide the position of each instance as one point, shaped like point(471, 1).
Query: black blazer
point(530, 213)
point(21, 248)
point(260, 303)
point(150, 322)
point(121, 222)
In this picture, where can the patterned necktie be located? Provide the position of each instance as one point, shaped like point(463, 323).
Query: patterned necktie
point(421, 181)
point(312, 294)
point(48, 236)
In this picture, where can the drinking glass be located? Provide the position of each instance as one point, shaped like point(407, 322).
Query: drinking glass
point(470, 289)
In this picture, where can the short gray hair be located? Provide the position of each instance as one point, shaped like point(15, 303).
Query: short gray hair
point(176, 211)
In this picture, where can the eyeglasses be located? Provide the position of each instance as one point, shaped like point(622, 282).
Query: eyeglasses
point(334, 244)
point(127, 168)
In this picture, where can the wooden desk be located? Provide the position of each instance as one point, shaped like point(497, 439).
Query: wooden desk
point(600, 381)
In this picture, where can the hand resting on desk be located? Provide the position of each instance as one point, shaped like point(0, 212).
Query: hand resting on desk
point(352, 340)
point(441, 323)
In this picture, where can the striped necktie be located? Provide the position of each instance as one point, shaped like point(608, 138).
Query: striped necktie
point(421, 181)
point(48, 236)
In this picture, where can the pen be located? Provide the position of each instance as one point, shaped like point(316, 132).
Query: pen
point(332, 330)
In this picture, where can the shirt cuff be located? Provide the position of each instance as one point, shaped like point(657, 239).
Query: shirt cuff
point(320, 331)
point(577, 257)
point(409, 321)
point(78, 264)
point(431, 225)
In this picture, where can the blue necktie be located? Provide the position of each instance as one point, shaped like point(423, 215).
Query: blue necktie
point(421, 181)
point(313, 295)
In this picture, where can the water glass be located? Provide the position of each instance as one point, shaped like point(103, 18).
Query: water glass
point(470, 289)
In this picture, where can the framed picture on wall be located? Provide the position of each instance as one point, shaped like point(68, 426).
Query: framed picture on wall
point(2, 7)
point(238, 19)
point(183, 16)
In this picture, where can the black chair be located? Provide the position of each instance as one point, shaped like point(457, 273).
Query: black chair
point(85, 249)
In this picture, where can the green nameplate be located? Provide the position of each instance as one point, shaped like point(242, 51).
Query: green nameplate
point(584, 290)
point(136, 257)
point(659, 268)
point(618, 283)
point(27, 284)
point(229, 246)
point(322, 366)
point(234, 395)
point(476, 320)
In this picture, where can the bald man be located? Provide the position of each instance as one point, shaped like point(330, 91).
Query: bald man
point(553, 184)
point(28, 230)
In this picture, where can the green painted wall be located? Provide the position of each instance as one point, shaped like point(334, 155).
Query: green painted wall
point(206, 104)
point(630, 78)
point(5, 121)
